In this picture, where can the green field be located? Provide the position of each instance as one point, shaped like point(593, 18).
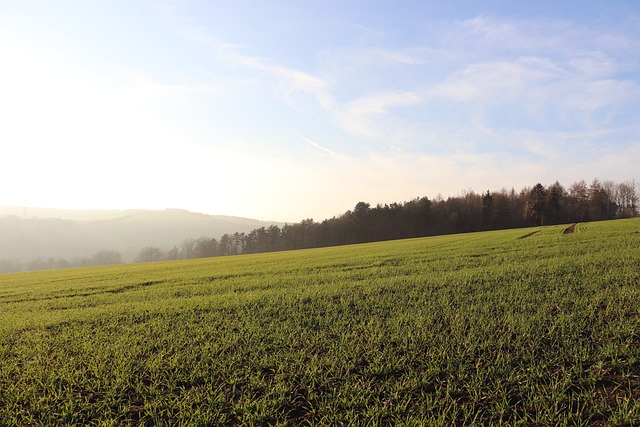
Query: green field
point(518, 327)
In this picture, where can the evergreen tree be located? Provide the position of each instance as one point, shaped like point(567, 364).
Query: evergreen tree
point(536, 204)
point(555, 193)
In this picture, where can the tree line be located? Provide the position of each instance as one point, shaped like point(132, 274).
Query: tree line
point(105, 257)
point(420, 217)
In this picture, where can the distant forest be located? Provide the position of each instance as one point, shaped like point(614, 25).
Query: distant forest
point(420, 217)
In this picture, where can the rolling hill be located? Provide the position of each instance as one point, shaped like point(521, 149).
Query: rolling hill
point(69, 234)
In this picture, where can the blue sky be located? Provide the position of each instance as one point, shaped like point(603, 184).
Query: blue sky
point(287, 110)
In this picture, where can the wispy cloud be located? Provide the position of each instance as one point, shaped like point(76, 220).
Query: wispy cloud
point(535, 81)
point(294, 81)
point(366, 115)
point(290, 82)
point(324, 149)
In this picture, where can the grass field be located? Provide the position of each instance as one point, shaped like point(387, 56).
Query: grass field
point(518, 327)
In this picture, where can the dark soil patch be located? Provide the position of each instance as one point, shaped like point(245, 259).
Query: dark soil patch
point(529, 235)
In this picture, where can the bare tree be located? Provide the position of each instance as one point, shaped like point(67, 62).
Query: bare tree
point(106, 258)
point(627, 199)
point(150, 254)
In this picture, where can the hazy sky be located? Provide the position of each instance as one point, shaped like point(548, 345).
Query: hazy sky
point(284, 110)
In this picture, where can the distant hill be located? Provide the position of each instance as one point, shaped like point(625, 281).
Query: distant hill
point(29, 233)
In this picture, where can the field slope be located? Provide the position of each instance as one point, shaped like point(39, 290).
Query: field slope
point(518, 327)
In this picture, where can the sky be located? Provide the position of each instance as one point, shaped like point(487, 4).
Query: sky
point(286, 110)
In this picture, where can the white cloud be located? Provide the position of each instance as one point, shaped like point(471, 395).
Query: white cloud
point(491, 34)
point(371, 58)
point(495, 82)
point(493, 30)
point(400, 57)
point(368, 115)
point(289, 81)
point(595, 64)
point(293, 81)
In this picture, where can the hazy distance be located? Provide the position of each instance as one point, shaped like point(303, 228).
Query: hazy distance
point(55, 233)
